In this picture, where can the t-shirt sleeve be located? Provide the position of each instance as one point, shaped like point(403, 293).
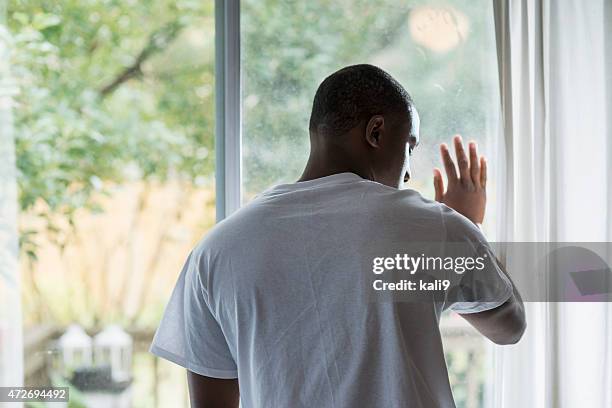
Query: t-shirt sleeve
point(478, 289)
point(189, 335)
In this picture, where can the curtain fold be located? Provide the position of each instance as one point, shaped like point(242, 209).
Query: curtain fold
point(555, 179)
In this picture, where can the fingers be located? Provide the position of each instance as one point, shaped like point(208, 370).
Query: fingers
point(462, 161)
point(474, 164)
point(449, 165)
point(438, 184)
point(483, 172)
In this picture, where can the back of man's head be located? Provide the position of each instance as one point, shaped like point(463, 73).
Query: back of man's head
point(352, 96)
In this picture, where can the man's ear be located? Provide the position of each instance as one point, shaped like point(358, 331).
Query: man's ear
point(374, 130)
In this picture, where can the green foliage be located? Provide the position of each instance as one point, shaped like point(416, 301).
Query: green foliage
point(290, 46)
point(112, 90)
point(109, 91)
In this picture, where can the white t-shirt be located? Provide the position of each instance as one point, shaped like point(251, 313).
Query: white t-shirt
point(270, 296)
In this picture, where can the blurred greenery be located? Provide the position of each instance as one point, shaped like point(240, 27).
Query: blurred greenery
point(290, 46)
point(112, 90)
point(108, 91)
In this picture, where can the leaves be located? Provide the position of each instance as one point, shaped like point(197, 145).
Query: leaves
point(70, 141)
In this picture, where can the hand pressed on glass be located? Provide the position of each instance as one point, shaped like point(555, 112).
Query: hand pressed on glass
point(466, 192)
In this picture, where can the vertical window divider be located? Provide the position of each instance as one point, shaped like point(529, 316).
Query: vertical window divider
point(228, 116)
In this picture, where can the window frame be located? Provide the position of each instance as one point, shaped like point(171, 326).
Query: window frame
point(228, 108)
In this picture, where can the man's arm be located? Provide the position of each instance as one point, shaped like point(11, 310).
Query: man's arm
point(207, 392)
point(504, 324)
point(466, 194)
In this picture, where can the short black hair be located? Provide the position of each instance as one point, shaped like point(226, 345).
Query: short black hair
point(354, 94)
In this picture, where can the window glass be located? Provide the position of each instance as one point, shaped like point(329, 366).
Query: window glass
point(442, 51)
point(113, 122)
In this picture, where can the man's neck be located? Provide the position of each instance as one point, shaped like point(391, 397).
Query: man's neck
point(318, 167)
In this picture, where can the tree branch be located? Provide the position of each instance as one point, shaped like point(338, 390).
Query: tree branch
point(158, 41)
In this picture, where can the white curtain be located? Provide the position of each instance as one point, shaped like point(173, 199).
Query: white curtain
point(11, 350)
point(556, 184)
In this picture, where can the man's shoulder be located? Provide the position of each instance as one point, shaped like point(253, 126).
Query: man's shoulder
point(407, 200)
point(237, 229)
point(373, 203)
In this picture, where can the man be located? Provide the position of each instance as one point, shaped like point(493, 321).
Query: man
point(269, 310)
